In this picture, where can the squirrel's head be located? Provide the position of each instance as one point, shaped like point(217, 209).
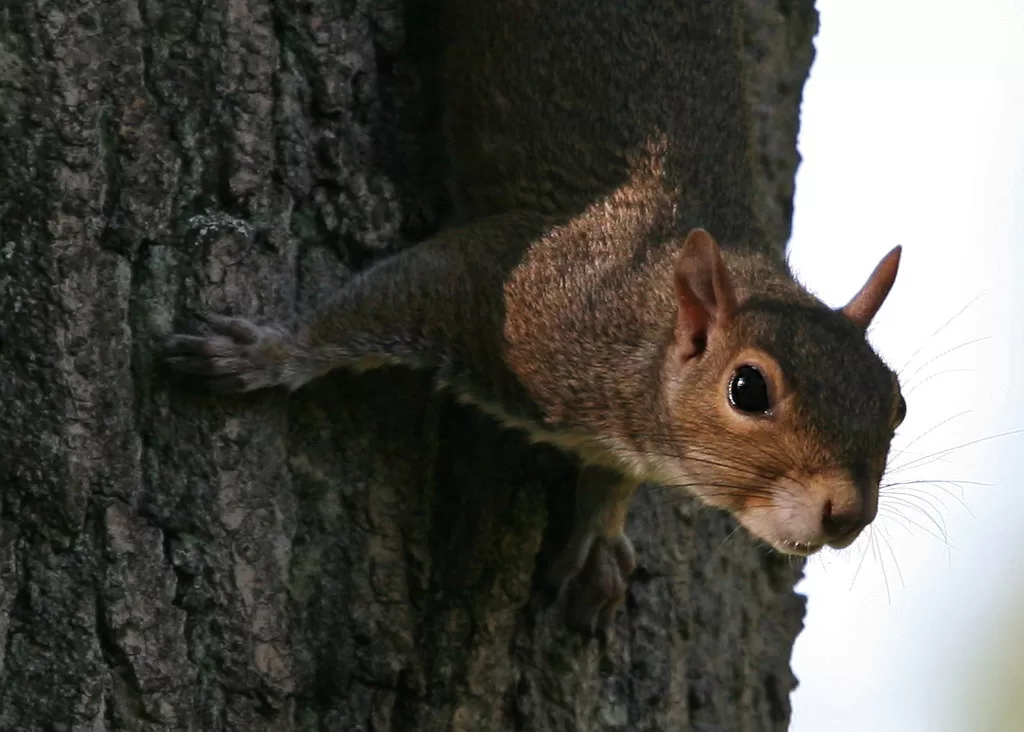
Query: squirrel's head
point(782, 411)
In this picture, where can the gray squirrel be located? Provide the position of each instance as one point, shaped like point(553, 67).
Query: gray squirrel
point(578, 294)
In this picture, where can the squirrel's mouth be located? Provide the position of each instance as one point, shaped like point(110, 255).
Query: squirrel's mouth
point(799, 548)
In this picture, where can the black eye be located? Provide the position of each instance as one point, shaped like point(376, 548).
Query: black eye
point(748, 391)
point(901, 411)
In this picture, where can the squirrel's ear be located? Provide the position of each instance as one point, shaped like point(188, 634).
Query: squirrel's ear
point(704, 292)
point(865, 304)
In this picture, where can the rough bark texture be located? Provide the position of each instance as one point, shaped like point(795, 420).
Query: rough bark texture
point(362, 555)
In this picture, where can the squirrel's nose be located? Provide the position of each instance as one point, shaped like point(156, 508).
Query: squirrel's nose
point(844, 520)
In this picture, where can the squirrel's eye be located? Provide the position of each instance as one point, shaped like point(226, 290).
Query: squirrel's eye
point(748, 391)
point(901, 411)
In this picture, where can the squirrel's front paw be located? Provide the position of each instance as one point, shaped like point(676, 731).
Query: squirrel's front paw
point(232, 354)
point(593, 573)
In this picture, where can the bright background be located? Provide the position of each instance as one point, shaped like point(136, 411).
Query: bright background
point(913, 133)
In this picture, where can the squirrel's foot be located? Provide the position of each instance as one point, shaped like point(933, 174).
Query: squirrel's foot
point(232, 355)
point(593, 574)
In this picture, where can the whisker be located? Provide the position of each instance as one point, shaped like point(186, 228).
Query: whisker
point(948, 351)
point(881, 566)
point(717, 549)
point(864, 554)
point(892, 553)
point(910, 389)
point(934, 427)
point(939, 533)
point(920, 500)
point(942, 485)
point(934, 502)
point(938, 330)
point(936, 481)
point(942, 453)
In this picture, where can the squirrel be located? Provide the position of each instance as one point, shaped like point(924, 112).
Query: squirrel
point(579, 295)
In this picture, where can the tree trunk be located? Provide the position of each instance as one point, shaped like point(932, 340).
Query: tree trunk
point(362, 555)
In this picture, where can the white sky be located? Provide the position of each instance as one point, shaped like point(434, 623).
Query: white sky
point(913, 133)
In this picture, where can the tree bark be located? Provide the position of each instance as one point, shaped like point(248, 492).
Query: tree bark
point(362, 555)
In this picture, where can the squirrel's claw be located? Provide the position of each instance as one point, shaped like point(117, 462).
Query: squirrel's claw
point(235, 356)
point(593, 575)
point(238, 329)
